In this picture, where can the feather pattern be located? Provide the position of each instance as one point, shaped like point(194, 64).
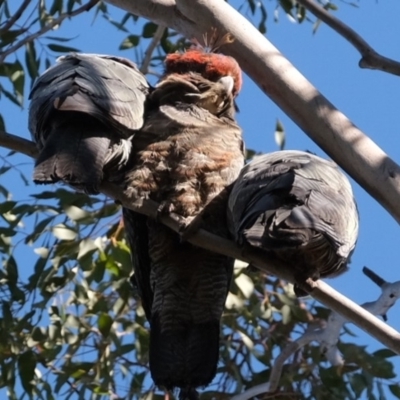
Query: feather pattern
point(83, 112)
point(298, 207)
point(185, 156)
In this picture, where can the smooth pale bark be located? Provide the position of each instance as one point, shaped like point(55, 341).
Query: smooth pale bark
point(358, 155)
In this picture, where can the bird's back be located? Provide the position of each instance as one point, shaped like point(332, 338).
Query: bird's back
point(82, 114)
point(298, 207)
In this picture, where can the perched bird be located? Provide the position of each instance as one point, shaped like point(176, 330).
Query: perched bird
point(83, 112)
point(187, 153)
point(299, 208)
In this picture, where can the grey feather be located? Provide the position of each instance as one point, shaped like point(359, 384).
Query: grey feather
point(298, 207)
point(86, 103)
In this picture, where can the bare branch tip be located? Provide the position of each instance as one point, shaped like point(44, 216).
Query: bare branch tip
point(373, 276)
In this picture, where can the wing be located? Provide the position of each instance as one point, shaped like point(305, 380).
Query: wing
point(291, 199)
point(111, 89)
point(83, 112)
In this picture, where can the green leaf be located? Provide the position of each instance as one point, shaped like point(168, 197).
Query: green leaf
point(262, 27)
point(9, 36)
point(63, 232)
point(7, 206)
point(86, 246)
point(250, 154)
point(358, 384)
point(380, 368)
point(76, 213)
point(384, 353)
point(38, 335)
point(104, 324)
point(17, 77)
point(60, 39)
point(56, 7)
point(149, 29)
point(70, 5)
point(129, 42)
point(11, 97)
point(280, 136)
point(39, 228)
point(395, 389)
point(2, 124)
point(12, 271)
point(7, 315)
point(287, 5)
point(332, 6)
point(301, 13)
point(32, 64)
point(26, 368)
point(286, 314)
point(245, 285)
point(61, 49)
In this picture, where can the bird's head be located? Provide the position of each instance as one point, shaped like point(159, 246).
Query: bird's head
point(204, 61)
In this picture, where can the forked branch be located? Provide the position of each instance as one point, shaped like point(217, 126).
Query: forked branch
point(370, 59)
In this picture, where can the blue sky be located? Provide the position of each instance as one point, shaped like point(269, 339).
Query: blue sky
point(369, 98)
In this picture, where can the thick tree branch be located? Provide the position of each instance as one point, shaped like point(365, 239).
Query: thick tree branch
point(321, 291)
point(46, 28)
point(370, 58)
point(362, 159)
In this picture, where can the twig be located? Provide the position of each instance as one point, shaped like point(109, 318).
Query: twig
point(18, 144)
point(158, 34)
point(374, 277)
point(201, 238)
point(10, 22)
point(369, 57)
point(329, 335)
point(46, 28)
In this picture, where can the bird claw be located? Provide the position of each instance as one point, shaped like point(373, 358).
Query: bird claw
point(164, 208)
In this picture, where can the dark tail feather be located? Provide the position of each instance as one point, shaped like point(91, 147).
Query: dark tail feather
point(188, 394)
point(74, 153)
point(186, 358)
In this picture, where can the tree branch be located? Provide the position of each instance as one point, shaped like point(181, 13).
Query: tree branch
point(13, 19)
point(46, 28)
point(357, 154)
point(329, 335)
point(158, 34)
point(18, 144)
point(369, 57)
point(201, 238)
